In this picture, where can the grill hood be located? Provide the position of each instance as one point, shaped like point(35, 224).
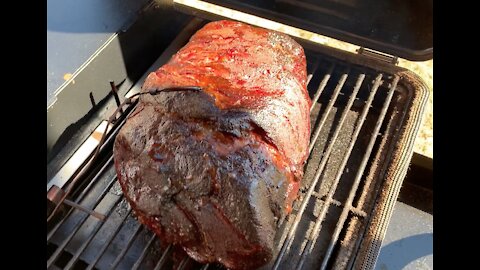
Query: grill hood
point(399, 28)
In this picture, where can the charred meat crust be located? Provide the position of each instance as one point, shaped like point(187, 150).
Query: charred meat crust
point(211, 174)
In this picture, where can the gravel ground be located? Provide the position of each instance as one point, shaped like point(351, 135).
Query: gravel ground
point(424, 142)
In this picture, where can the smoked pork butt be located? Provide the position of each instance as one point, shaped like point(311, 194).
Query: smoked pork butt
point(212, 171)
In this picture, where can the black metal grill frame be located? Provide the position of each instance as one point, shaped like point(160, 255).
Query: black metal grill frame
point(388, 84)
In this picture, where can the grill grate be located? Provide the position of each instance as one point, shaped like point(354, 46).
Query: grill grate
point(349, 106)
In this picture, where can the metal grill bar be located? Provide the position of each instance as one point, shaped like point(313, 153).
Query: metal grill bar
point(84, 209)
point(144, 252)
point(138, 229)
point(82, 171)
point(316, 229)
point(317, 95)
point(79, 251)
point(361, 200)
point(309, 77)
point(322, 85)
point(109, 240)
point(291, 233)
point(183, 263)
point(59, 250)
point(334, 97)
point(325, 115)
point(314, 69)
point(359, 174)
point(298, 216)
point(355, 210)
point(80, 197)
point(163, 259)
point(358, 213)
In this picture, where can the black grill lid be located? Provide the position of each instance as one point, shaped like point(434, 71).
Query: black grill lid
point(402, 28)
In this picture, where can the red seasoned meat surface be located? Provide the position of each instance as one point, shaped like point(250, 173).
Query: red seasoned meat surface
point(213, 170)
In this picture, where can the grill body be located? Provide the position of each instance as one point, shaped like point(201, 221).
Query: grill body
point(364, 118)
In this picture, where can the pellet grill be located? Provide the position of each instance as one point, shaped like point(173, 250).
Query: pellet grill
point(365, 115)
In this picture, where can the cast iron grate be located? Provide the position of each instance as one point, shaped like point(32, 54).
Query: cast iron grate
point(350, 105)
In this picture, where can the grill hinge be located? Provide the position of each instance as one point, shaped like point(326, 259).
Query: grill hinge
point(378, 55)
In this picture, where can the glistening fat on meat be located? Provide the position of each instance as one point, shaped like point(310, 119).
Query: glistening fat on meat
point(212, 171)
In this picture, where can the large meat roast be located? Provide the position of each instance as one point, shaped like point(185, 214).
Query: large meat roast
point(213, 170)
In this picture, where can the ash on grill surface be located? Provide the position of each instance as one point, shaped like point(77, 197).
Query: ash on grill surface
point(83, 242)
